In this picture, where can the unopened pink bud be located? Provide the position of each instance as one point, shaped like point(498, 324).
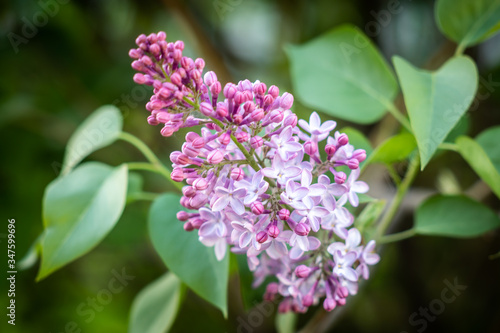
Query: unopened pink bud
point(221, 110)
point(256, 142)
point(207, 109)
point(257, 207)
point(198, 143)
point(268, 100)
point(146, 60)
point(261, 236)
point(161, 35)
point(302, 229)
point(210, 78)
point(174, 155)
point(274, 91)
point(353, 163)
point(215, 157)
point(330, 149)
point(182, 216)
point(237, 174)
point(341, 302)
point(216, 88)
point(183, 159)
point(307, 300)
point(291, 120)
point(239, 98)
point(188, 191)
point(340, 177)
point(179, 45)
point(284, 214)
point(224, 139)
point(286, 101)
point(177, 55)
point(273, 231)
point(155, 49)
point(237, 119)
point(257, 115)
point(302, 271)
point(260, 88)
point(177, 175)
point(329, 304)
point(187, 63)
point(140, 39)
point(276, 116)
point(200, 184)
point(176, 79)
point(139, 78)
point(198, 200)
point(188, 226)
point(199, 63)
point(359, 154)
point(310, 148)
point(249, 106)
point(197, 223)
point(189, 150)
point(342, 291)
point(152, 120)
point(343, 139)
point(242, 137)
point(229, 90)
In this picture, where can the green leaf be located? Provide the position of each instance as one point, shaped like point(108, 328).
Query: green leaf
point(79, 210)
point(468, 22)
point(286, 322)
point(99, 130)
point(477, 158)
point(184, 255)
point(488, 140)
point(154, 309)
point(135, 184)
point(343, 74)
point(454, 216)
point(436, 100)
point(31, 257)
point(394, 149)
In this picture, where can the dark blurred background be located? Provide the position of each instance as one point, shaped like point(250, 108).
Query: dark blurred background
point(60, 60)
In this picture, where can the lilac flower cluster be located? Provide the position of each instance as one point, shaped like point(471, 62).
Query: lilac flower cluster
point(258, 180)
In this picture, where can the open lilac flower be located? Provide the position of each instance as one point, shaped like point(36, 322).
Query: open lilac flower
point(256, 182)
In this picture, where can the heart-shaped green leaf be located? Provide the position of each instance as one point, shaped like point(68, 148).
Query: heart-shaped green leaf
point(489, 141)
point(454, 216)
point(479, 160)
point(394, 149)
point(436, 100)
point(99, 130)
point(194, 263)
point(79, 210)
point(155, 307)
point(468, 22)
point(343, 74)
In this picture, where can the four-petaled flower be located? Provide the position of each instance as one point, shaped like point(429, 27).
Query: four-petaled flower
point(229, 196)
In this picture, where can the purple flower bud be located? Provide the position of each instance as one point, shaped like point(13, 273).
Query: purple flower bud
point(207, 109)
point(286, 101)
point(198, 143)
point(340, 177)
point(307, 300)
point(274, 91)
point(198, 200)
point(341, 301)
point(152, 120)
point(343, 139)
point(260, 89)
point(237, 119)
point(310, 148)
point(244, 136)
point(167, 131)
point(284, 214)
point(329, 304)
point(138, 65)
point(140, 39)
point(183, 159)
point(302, 271)
point(191, 136)
point(155, 49)
point(161, 35)
point(197, 223)
point(188, 191)
point(215, 157)
point(256, 142)
point(249, 106)
point(257, 115)
point(187, 63)
point(239, 98)
point(176, 79)
point(179, 45)
point(285, 306)
point(330, 149)
point(200, 184)
point(135, 53)
point(188, 226)
point(146, 60)
point(359, 154)
point(237, 174)
point(182, 216)
point(224, 139)
point(271, 291)
point(276, 116)
point(342, 291)
point(229, 90)
point(221, 110)
point(210, 78)
point(302, 229)
point(216, 88)
point(177, 175)
point(174, 155)
point(257, 207)
point(261, 236)
point(273, 231)
point(353, 163)
point(199, 63)
point(152, 38)
point(195, 75)
point(268, 100)
point(189, 150)
point(139, 78)
point(291, 120)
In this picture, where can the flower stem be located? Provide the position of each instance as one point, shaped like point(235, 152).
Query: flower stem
point(155, 166)
point(448, 146)
point(147, 196)
point(402, 189)
point(398, 115)
point(397, 236)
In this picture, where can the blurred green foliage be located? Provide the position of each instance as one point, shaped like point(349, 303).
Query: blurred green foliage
point(78, 60)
